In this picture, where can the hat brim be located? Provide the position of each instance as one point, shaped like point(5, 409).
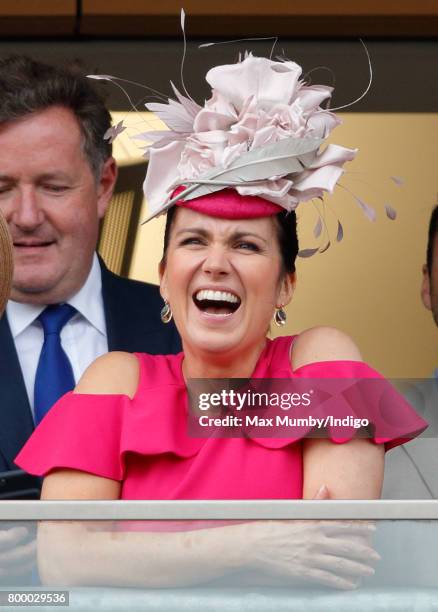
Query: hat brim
point(224, 204)
point(229, 204)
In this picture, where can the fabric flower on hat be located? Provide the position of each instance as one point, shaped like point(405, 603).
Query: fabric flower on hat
point(260, 133)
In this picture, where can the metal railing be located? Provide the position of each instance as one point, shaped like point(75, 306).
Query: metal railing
point(220, 510)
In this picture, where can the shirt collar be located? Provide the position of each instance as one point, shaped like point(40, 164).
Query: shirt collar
point(88, 302)
point(21, 316)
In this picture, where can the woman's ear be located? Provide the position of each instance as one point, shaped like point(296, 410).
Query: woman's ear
point(287, 288)
point(162, 273)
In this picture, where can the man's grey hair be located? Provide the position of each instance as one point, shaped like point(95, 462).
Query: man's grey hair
point(28, 86)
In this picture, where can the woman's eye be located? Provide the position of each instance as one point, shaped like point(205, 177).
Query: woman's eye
point(248, 246)
point(193, 240)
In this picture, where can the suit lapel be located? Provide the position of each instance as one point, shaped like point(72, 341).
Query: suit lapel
point(111, 319)
point(16, 423)
point(122, 332)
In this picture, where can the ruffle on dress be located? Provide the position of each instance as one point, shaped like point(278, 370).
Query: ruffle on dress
point(94, 433)
point(345, 392)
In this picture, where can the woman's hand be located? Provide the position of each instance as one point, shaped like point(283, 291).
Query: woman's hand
point(299, 553)
point(329, 553)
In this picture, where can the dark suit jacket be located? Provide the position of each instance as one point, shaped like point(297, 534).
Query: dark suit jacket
point(132, 313)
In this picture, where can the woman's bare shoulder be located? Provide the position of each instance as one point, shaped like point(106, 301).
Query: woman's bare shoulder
point(323, 344)
point(113, 373)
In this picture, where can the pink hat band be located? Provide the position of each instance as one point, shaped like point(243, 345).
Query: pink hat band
point(228, 204)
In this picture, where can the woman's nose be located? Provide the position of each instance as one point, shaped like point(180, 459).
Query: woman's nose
point(216, 262)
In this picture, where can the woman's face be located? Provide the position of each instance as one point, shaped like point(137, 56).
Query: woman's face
point(223, 280)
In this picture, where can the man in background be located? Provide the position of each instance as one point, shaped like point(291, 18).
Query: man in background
point(429, 289)
point(411, 470)
point(57, 177)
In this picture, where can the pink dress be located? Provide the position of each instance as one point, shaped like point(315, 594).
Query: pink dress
point(143, 443)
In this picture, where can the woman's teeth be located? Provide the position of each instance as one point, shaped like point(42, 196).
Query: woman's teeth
point(216, 302)
point(216, 296)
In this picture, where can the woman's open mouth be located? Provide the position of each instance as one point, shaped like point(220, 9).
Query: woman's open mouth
point(222, 303)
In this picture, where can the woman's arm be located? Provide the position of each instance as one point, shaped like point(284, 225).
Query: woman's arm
point(75, 553)
point(353, 470)
point(285, 551)
point(115, 372)
point(276, 553)
point(82, 553)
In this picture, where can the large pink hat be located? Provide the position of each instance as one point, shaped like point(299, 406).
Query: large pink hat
point(256, 147)
point(256, 141)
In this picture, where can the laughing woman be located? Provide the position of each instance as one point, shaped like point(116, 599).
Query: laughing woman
point(229, 181)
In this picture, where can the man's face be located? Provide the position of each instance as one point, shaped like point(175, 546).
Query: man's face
point(52, 203)
point(429, 290)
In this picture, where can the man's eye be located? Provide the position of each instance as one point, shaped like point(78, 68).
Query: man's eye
point(5, 188)
point(55, 188)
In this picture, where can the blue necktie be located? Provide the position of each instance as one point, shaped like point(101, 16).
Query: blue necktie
point(54, 375)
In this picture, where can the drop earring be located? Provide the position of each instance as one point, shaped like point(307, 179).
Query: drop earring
point(280, 317)
point(166, 312)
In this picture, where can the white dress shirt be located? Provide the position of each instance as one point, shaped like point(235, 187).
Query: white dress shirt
point(83, 337)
